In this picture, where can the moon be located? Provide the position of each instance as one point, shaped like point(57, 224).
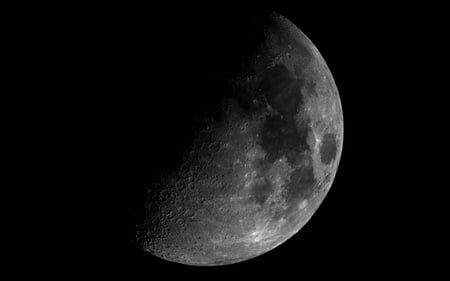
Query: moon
point(258, 168)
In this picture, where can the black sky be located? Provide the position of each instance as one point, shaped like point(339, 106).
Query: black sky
point(131, 51)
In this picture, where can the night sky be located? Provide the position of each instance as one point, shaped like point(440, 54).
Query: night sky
point(144, 63)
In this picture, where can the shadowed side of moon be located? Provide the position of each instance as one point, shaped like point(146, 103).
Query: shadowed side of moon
point(257, 167)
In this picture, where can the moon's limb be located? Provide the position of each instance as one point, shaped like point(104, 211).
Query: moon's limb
point(260, 179)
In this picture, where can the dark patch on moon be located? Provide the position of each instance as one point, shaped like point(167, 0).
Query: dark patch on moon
point(261, 191)
point(282, 91)
point(301, 184)
point(328, 148)
point(282, 137)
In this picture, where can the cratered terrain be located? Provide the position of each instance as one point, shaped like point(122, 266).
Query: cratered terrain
point(258, 163)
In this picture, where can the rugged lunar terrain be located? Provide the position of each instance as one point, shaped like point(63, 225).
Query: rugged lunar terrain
point(252, 180)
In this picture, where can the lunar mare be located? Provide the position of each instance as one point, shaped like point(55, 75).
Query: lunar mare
point(253, 179)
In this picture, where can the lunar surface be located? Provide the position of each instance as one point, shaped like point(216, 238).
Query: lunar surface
point(253, 176)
